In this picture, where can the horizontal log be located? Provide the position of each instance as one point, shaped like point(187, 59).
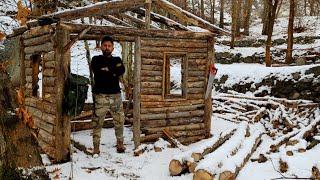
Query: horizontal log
point(49, 56)
point(41, 124)
point(49, 118)
point(50, 64)
point(117, 38)
point(50, 90)
point(197, 61)
point(172, 115)
point(47, 148)
point(151, 97)
point(196, 96)
point(190, 139)
point(49, 72)
point(150, 138)
point(85, 125)
point(197, 67)
point(175, 48)
point(151, 73)
point(39, 48)
point(196, 73)
point(49, 97)
point(146, 61)
point(151, 67)
point(28, 57)
point(196, 79)
point(36, 103)
point(170, 103)
point(47, 137)
point(174, 128)
point(169, 42)
point(37, 40)
point(158, 55)
point(151, 79)
point(195, 84)
point(170, 122)
point(172, 109)
point(77, 28)
point(195, 90)
point(151, 91)
point(37, 31)
point(28, 64)
point(28, 71)
point(151, 85)
point(49, 81)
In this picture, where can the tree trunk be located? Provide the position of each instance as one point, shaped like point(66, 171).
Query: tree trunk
point(202, 9)
point(265, 17)
point(221, 23)
point(18, 146)
point(238, 19)
point(271, 17)
point(290, 34)
point(234, 23)
point(247, 15)
point(212, 3)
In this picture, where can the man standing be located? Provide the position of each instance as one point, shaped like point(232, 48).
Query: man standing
point(107, 70)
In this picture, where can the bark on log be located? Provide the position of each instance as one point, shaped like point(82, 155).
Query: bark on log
point(81, 125)
point(148, 48)
point(174, 42)
point(174, 128)
point(170, 103)
point(162, 19)
point(172, 109)
point(117, 31)
point(46, 47)
point(151, 91)
point(36, 32)
point(50, 56)
point(37, 40)
point(182, 114)
point(146, 61)
point(171, 122)
point(151, 67)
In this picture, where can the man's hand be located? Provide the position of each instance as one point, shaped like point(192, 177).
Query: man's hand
point(105, 69)
point(118, 65)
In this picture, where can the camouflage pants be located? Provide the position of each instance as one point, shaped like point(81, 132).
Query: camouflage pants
point(103, 104)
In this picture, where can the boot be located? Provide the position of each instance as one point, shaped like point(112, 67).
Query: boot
point(120, 147)
point(96, 148)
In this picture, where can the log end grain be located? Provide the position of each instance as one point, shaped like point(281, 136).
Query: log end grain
point(202, 175)
point(227, 175)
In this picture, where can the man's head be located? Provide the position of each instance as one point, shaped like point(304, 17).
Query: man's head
point(106, 46)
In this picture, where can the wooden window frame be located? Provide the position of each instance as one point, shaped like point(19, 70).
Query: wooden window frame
point(36, 61)
point(166, 74)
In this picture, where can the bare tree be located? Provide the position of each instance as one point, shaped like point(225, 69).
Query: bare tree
point(202, 9)
point(234, 22)
point(265, 17)
point(271, 17)
point(246, 16)
point(221, 22)
point(290, 34)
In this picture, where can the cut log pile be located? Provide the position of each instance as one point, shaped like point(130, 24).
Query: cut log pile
point(292, 125)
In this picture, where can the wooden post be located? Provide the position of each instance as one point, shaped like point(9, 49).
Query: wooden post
point(208, 101)
point(22, 66)
point(136, 92)
point(147, 15)
point(62, 123)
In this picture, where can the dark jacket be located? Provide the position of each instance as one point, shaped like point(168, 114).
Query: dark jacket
point(106, 82)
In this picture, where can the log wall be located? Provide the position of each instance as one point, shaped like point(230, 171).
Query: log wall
point(38, 43)
point(184, 117)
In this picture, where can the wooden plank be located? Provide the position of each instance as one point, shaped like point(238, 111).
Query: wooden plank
point(172, 139)
point(174, 128)
point(151, 91)
point(172, 109)
point(151, 67)
point(136, 92)
point(151, 79)
point(146, 61)
point(37, 31)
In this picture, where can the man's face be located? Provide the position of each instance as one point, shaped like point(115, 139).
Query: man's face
point(106, 48)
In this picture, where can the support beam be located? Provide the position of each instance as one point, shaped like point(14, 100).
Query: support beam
point(116, 21)
point(139, 22)
point(136, 92)
point(147, 14)
point(123, 31)
point(74, 40)
point(97, 9)
point(185, 16)
point(163, 20)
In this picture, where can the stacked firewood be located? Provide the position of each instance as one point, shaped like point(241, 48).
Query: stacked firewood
point(291, 124)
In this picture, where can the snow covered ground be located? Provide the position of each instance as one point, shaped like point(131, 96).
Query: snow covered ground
point(155, 165)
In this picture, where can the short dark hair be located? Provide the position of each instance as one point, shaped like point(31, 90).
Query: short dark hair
point(106, 38)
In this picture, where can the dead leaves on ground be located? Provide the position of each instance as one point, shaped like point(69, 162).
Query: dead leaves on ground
point(24, 114)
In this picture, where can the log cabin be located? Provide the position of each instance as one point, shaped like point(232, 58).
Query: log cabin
point(157, 105)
